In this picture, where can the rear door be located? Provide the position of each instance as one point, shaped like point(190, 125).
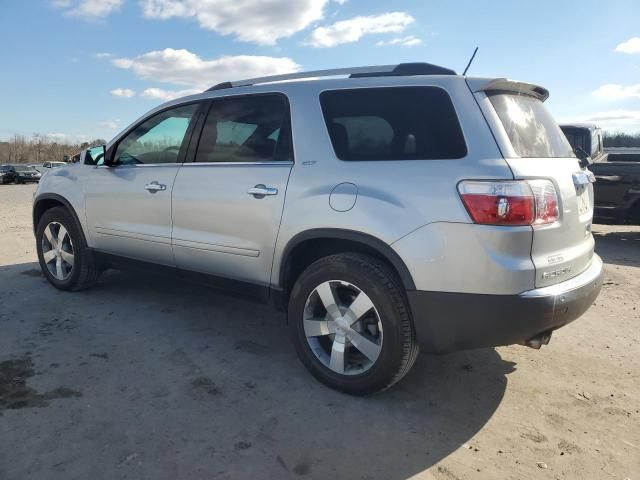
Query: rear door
point(228, 203)
point(128, 204)
point(535, 148)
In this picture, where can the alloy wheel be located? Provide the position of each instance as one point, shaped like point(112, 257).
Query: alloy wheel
point(57, 250)
point(343, 327)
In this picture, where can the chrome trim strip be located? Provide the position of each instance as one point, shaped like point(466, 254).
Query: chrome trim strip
point(196, 164)
point(209, 164)
point(590, 275)
point(138, 165)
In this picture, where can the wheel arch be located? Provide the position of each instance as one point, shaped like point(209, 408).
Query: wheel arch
point(46, 201)
point(310, 245)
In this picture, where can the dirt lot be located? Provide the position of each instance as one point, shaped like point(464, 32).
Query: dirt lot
point(148, 378)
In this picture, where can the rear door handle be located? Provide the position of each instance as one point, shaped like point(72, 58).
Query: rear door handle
point(154, 187)
point(260, 191)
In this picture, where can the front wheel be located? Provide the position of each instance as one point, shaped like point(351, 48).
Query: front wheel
point(351, 325)
point(64, 257)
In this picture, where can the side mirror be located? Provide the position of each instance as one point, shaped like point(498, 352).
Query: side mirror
point(95, 155)
point(585, 159)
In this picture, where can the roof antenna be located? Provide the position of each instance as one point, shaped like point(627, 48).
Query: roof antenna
point(470, 61)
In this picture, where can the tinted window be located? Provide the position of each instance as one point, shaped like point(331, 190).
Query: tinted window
point(157, 140)
point(397, 123)
point(577, 137)
point(246, 129)
point(531, 129)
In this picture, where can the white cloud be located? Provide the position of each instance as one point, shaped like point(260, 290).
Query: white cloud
point(630, 46)
point(88, 9)
point(103, 55)
point(182, 67)
point(352, 30)
point(409, 41)
point(614, 91)
point(56, 136)
point(166, 95)
point(613, 120)
point(110, 124)
point(258, 21)
point(122, 92)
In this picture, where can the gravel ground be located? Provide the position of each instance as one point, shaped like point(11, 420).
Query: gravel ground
point(149, 378)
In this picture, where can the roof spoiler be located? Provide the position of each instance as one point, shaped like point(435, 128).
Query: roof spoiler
point(511, 86)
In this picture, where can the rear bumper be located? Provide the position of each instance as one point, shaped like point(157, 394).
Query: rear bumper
point(447, 321)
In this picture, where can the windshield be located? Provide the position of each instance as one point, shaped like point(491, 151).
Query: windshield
point(531, 129)
point(25, 169)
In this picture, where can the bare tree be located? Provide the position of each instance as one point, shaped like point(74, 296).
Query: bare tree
point(40, 148)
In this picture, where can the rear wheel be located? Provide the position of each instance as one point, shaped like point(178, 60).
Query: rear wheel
point(350, 324)
point(64, 257)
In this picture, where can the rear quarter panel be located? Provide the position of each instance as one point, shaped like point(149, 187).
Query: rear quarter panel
point(394, 198)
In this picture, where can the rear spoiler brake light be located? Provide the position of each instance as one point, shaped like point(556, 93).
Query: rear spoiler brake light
point(512, 86)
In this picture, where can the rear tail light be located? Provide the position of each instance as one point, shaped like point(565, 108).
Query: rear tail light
point(520, 202)
point(547, 210)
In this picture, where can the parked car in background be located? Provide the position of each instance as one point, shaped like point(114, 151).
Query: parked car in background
point(7, 174)
point(423, 210)
point(26, 174)
point(54, 164)
point(617, 192)
point(587, 137)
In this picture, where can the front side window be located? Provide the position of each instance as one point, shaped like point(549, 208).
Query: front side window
point(157, 140)
point(393, 123)
point(530, 127)
point(252, 128)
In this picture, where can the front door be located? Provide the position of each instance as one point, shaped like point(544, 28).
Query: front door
point(228, 203)
point(128, 203)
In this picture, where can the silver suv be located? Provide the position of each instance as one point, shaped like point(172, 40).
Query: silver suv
point(401, 206)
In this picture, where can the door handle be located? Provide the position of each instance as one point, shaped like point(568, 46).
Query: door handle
point(154, 187)
point(260, 191)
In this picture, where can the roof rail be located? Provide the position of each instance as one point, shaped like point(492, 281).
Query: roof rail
point(399, 70)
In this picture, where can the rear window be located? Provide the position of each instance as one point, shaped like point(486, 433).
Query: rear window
point(531, 129)
point(393, 123)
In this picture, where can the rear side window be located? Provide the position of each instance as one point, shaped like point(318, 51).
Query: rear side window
point(252, 128)
point(393, 123)
point(531, 129)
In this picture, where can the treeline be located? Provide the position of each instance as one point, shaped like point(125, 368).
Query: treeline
point(40, 148)
point(620, 139)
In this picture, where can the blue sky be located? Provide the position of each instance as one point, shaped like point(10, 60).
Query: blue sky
point(86, 68)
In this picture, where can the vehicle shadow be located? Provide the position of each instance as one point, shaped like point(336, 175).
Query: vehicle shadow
point(618, 247)
point(180, 381)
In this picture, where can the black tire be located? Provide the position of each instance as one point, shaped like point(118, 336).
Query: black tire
point(84, 272)
point(399, 348)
